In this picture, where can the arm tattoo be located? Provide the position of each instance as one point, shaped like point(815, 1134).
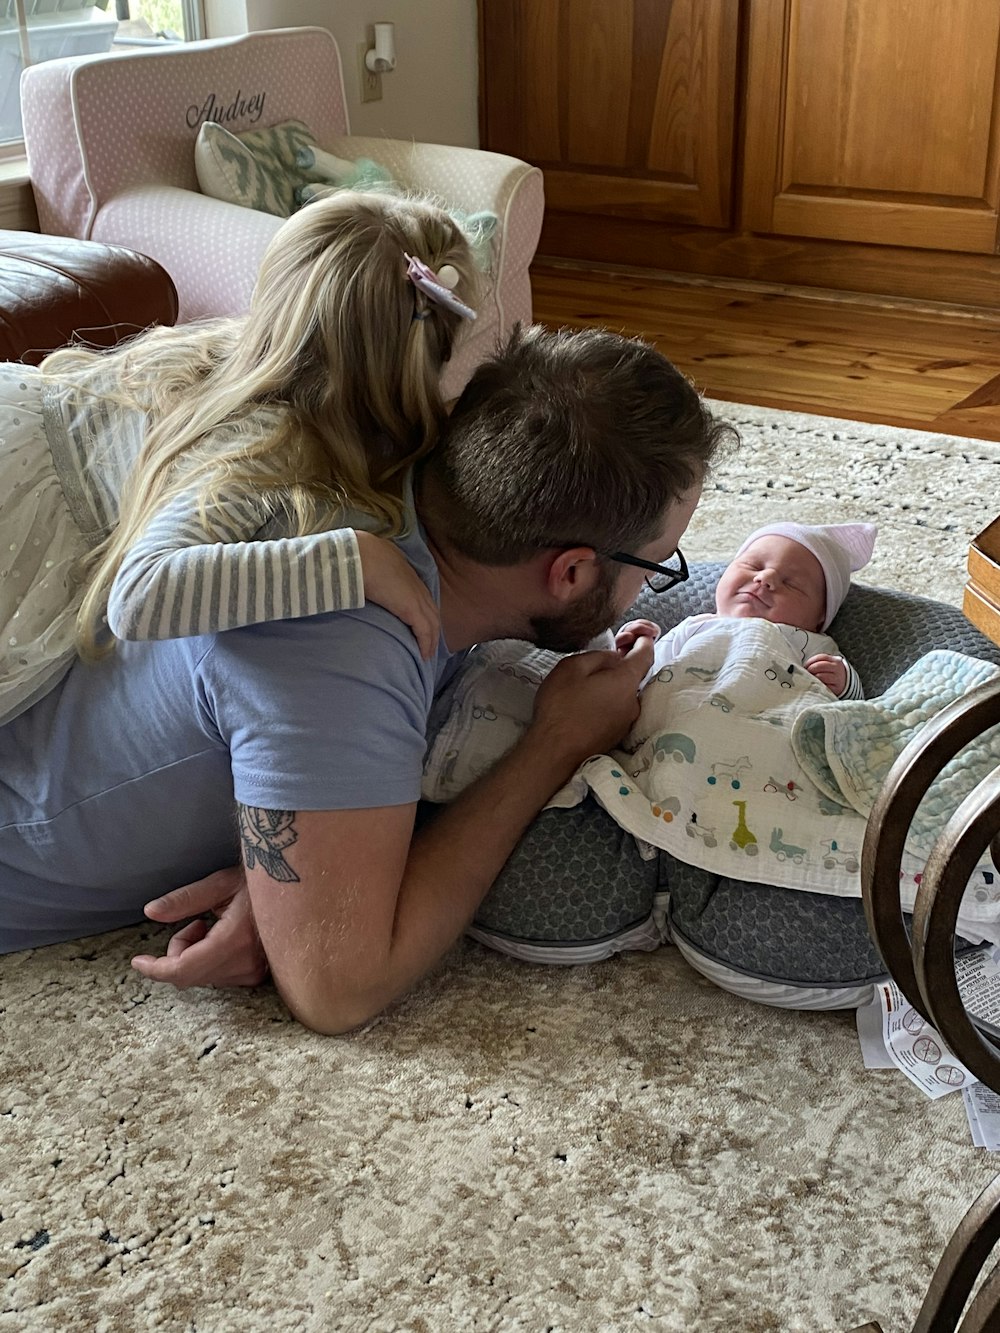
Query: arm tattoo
point(265, 834)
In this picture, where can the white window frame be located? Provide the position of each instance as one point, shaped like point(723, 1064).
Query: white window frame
point(193, 12)
point(194, 30)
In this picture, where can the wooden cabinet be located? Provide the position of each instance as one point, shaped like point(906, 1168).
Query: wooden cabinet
point(741, 137)
point(874, 120)
point(628, 105)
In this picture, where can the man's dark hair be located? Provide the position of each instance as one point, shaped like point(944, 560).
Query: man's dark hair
point(566, 438)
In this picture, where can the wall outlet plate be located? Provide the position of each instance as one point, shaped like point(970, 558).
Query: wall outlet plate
point(369, 83)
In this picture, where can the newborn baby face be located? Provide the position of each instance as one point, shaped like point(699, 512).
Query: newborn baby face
point(774, 579)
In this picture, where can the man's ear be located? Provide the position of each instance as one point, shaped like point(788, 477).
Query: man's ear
point(571, 573)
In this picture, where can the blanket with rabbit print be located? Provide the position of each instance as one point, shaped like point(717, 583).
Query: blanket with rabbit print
point(740, 762)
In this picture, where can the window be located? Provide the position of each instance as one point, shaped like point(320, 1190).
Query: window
point(36, 30)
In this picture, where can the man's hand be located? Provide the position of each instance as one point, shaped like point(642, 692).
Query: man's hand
point(588, 701)
point(832, 671)
point(632, 631)
point(226, 953)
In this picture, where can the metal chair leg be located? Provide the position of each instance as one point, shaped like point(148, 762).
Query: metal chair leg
point(924, 968)
point(950, 865)
point(963, 1259)
point(904, 788)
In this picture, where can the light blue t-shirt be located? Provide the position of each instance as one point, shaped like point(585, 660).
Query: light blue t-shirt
point(121, 783)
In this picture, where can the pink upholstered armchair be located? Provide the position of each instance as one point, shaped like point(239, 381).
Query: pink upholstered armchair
point(110, 141)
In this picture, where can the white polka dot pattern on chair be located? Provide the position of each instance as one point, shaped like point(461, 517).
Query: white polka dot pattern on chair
point(110, 142)
point(97, 125)
point(211, 249)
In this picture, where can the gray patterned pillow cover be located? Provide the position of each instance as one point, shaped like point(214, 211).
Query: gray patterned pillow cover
point(257, 169)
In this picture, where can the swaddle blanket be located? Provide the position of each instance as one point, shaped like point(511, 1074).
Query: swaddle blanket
point(709, 771)
point(847, 750)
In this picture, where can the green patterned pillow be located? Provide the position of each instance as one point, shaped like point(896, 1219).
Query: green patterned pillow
point(257, 169)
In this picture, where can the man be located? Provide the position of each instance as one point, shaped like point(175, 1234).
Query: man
point(571, 466)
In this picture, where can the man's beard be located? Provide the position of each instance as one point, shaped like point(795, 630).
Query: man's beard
point(583, 621)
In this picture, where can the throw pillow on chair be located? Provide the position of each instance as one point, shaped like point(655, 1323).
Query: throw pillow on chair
point(258, 169)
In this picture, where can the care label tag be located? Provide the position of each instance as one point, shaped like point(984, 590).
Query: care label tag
point(916, 1048)
point(978, 975)
point(869, 1020)
point(982, 1106)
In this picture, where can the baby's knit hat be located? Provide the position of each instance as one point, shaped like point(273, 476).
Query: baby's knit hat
point(841, 549)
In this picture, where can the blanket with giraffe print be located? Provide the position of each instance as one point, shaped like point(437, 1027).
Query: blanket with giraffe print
point(709, 772)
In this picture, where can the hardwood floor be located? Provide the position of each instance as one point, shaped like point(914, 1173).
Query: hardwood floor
point(884, 360)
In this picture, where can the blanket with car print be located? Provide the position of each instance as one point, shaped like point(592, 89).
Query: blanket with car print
point(709, 771)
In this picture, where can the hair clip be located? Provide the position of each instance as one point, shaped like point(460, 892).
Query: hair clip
point(437, 286)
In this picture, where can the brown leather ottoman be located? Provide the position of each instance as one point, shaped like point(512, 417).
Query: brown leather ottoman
point(56, 288)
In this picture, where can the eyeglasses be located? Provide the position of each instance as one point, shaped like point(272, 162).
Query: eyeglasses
point(664, 577)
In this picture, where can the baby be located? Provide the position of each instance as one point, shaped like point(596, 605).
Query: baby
point(794, 576)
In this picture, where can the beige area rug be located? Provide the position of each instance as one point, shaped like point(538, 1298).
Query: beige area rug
point(929, 494)
point(613, 1147)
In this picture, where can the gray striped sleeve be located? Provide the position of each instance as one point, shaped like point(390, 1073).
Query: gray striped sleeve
point(194, 573)
point(853, 689)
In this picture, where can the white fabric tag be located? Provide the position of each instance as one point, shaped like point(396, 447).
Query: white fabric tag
point(869, 1020)
point(978, 975)
point(916, 1048)
point(982, 1106)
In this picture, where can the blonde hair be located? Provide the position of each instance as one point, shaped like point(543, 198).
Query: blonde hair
point(330, 336)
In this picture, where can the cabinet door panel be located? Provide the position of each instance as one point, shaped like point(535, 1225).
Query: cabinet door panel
point(627, 105)
point(520, 112)
point(875, 121)
point(597, 68)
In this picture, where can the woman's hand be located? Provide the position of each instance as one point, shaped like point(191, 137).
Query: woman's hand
point(226, 953)
point(392, 582)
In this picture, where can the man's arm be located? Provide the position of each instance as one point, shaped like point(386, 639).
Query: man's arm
point(351, 913)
